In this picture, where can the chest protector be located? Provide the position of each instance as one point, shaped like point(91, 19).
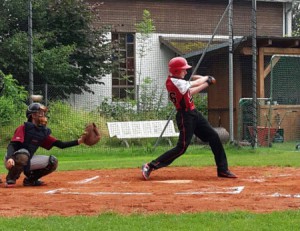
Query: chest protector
point(34, 136)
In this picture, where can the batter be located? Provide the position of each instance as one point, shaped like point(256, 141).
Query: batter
point(189, 121)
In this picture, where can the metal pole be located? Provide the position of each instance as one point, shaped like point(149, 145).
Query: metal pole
point(230, 17)
point(30, 45)
point(196, 67)
point(46, 94)
point(254, 74)
point(212, 38)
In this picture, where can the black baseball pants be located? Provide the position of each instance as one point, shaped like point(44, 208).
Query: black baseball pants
point(190, 123)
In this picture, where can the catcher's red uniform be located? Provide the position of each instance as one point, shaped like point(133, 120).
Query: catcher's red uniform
point(25, 142)
point(32, 137)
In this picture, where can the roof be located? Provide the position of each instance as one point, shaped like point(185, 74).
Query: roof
point(189, 48)
point(185, 45)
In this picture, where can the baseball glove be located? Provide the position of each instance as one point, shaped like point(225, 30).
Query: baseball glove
point(91, 135)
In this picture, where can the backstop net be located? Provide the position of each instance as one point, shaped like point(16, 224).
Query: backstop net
point(278, 114)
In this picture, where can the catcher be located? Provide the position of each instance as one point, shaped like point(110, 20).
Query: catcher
point(34, 133)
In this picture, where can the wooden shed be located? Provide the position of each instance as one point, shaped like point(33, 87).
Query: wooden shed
point(218, 95)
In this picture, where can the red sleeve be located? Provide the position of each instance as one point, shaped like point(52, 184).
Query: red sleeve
point(19, 134)
point(48, 142)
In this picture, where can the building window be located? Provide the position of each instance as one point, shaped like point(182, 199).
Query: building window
point(123, 77)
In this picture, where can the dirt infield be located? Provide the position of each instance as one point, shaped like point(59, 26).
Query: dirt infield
point(170, 190)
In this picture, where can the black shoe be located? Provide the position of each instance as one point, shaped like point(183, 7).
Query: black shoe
point(10, 183)
point(146, 171)
point(28, 182)
point(226, 174)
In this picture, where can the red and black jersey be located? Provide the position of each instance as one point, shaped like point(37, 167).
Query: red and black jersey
point(32, 137)
point(179, 93)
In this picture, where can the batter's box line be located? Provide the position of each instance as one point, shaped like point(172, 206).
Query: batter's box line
point(226, 190)
point(61, 191)
point(84, 181)
point(284, 195)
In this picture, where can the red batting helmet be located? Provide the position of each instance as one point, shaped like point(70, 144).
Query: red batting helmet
point(178, 63)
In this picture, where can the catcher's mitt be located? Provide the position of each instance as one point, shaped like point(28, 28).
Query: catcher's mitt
point(91, 134)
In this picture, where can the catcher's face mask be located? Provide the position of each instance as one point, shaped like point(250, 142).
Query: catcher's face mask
point(37, 112)
point(41, 116)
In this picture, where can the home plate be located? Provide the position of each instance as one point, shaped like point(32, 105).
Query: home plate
point(174, 181)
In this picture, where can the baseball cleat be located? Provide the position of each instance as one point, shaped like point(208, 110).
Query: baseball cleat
point(226, 174)
point(10, 183)
point(27, 182)
point(146, 171)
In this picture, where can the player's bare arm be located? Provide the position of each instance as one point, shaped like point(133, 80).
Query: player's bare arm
point(198, 80)
point(195, 77)
point(199, 84)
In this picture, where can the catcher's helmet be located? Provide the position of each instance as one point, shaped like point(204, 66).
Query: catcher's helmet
point(33, 108)
point(177, 64)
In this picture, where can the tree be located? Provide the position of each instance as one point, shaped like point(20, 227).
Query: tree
point(144, 30)
point(296, 19)
point(68, 51)
point(12, 99)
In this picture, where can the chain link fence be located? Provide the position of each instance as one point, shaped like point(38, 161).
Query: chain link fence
point(128, 95)
point(278, 115)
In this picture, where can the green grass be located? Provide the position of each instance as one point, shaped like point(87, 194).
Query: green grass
point(108, 158)
point(280, 221)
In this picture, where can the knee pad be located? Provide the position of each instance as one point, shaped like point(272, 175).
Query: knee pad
point(53, 162)
point(38, 173)
point(23, 151)
point(21, 159)
point(21, 156)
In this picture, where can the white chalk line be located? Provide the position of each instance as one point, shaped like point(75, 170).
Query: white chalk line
point(263, 179)
point(174, 181)
point(60, 191)
point(108, 193)
point(54, 191)
point(228, 190)
point(257, 180)
point(84, 181)
point(284, 195)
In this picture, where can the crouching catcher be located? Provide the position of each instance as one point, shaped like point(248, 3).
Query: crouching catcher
point(28, 137)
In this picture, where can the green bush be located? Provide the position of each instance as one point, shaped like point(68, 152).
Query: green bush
point(67, 122)
point(201, 104)
point(120, 111)
point(12, 99)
